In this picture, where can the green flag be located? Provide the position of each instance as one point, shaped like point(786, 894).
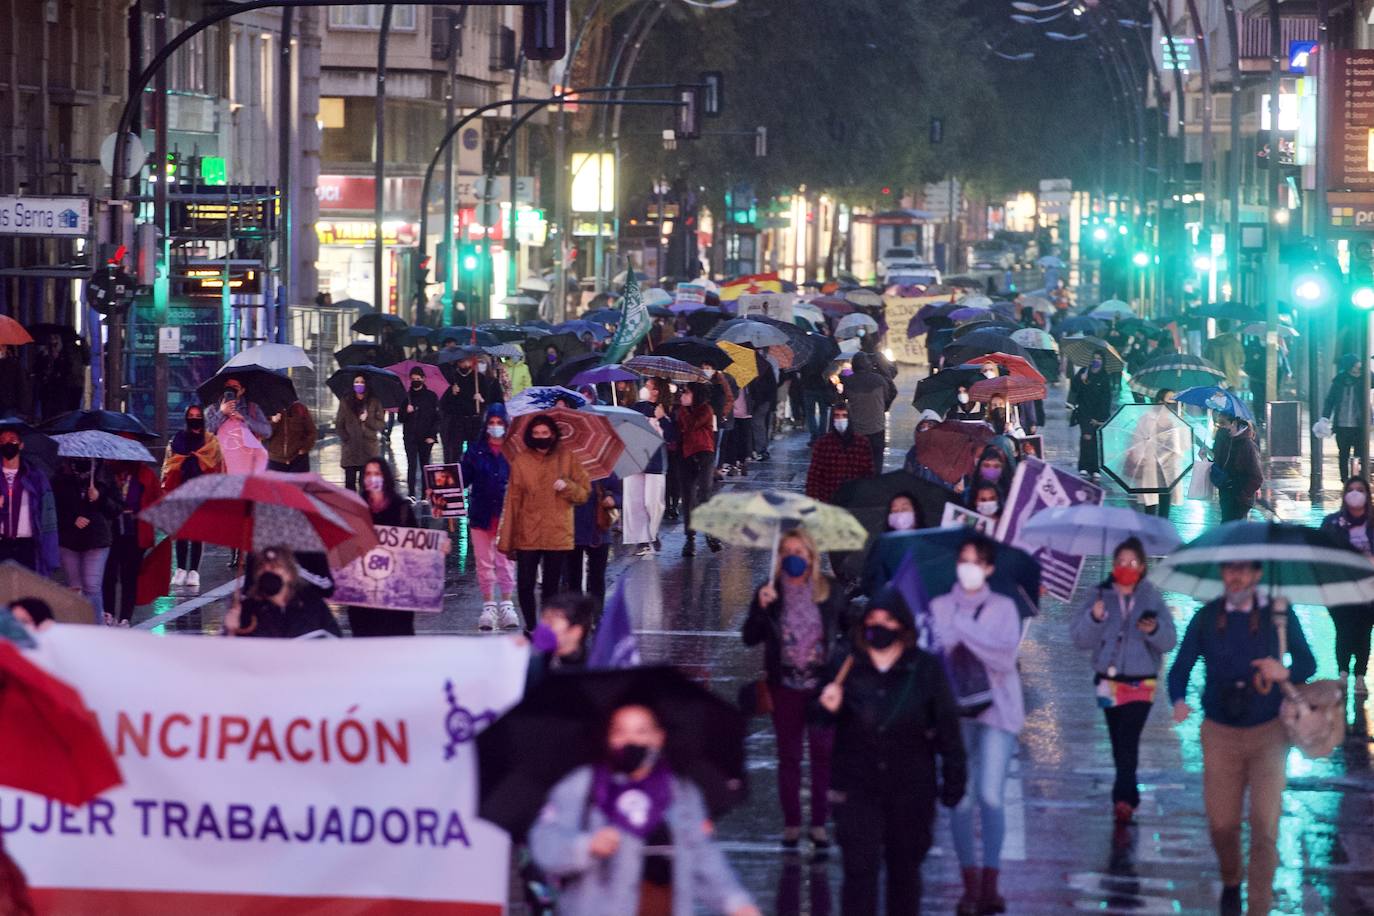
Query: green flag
point(634, 322)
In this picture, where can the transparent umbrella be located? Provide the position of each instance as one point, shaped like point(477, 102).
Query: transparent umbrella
point(1147, 448)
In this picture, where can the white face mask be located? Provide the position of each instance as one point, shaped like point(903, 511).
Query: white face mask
point(989, 373)
point(901, 521)
point(1356, 499)
point(482, 367)
point(841, 425)
point(971, 576)
point(645, 394)
point(708, 370)
point(372, 482)
point(963, 397)
point(987, 507)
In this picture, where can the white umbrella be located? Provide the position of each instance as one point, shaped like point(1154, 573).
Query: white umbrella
point(864, 298)
point(1038, 303)
point(754, 333)
point(855, 325)
point(535, 285)
point(657, 296)
point(1259, 329)
point(270, 356)
point(1112, 308)
point(976, 302)
point(519, 301)
point(92, 443)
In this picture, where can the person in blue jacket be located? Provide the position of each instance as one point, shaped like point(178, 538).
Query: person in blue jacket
point(1244, 744)
point(486, 473)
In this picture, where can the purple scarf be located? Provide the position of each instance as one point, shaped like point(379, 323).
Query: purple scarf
point(634, 806)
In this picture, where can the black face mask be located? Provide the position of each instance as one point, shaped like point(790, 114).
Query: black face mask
point(9, 450)
point(416, 385)
point(195, 426)
point(880, 637)
point(270, 584)
point(81, 467)
point(542, 445)
point(629, 758)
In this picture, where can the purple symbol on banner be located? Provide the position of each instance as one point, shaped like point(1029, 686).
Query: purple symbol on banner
point(1037, 486)
point(461, 723)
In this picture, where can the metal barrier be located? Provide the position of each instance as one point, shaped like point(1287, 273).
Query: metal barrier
point(320, 330)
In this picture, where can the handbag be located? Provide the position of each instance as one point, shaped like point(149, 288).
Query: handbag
point(606, 516)
point(968, 679)
point(1200, 487)
point(1313, 714)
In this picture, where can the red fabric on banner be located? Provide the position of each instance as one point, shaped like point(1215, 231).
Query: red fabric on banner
point(155, 575)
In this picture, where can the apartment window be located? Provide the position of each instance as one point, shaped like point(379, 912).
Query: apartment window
point(370, 17)
point(331, 113)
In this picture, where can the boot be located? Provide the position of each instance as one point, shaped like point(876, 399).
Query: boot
point(991, 901)
point(968, 904)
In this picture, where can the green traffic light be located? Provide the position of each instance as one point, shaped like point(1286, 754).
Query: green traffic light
point(470, 262)
point(1140, 259)
point(1100, 234)
point(1363, 298)
point(1309, 291)
point(1122, 229)
point(1202, 263)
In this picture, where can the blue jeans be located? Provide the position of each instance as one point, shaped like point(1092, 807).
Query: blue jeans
point(85, 571)
point(989, 755)
point(813, 406)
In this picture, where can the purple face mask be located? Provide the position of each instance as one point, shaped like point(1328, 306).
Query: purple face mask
point(990, 473)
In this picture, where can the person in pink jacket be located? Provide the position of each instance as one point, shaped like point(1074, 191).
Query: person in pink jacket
point(988, 625)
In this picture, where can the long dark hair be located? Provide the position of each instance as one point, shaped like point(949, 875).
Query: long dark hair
point(359, 404)
point(388, 478)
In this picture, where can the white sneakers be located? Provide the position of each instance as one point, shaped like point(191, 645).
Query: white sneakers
point(509, 619)
point(178, 578)
point(193, 579)
point(487, 619)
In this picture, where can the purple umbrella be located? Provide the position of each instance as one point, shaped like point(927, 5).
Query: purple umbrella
point(968, 312)
point(604, 375)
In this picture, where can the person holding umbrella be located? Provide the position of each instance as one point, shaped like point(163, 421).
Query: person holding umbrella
point(604, 827)
point(643, 493)
point(546, 483)
point(1237, 469)
point(419, 430)
point(358, 421)
point(798, 616)
point(869, 394)
point(463, 405)
point(86, 503)
point(986, 626)
point(1353, 526)
point(696, 424)
point(193, 451)
point(1244, 745)
point(486, 474)
point(240, 427)
point(894, 714)
point(838, 457)
point(964, 408)
point(132, 538)
point(1128, 628)
point(1157, 452)
point(1091, 397)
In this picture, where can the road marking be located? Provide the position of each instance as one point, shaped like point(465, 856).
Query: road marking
point(186, 607)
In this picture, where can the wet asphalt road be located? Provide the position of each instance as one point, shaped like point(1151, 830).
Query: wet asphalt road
point(1062, 852)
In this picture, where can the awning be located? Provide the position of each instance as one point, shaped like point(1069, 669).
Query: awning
point(905, 217)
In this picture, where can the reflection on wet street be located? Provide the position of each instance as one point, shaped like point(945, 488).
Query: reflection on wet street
point(1063, 853)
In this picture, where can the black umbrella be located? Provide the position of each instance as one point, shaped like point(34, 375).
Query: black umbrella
point(985, 324)
point(567, 345)
point(384, 384)
point(43, 329)
point(979, 343)
point(1016, 574)
point(356, 354)
point(269, 390)
point(1233, 311)
point(412, 335)
point(564, 372)
point(823, 350)
point(377, 324)
point(39, 450)
point(940, 392)
point(695, 350)
point(661, 311)
point(504, 333)
point(702, 320)
point(356, 305)
point(561, 725)
point(106, 421)
point(868, 498)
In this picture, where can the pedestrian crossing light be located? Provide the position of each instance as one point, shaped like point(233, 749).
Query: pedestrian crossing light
point(1363, 298)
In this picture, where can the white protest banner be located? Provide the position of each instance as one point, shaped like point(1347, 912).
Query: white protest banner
point(957, 516)
point(275, 777)
point(769, 305)
point(1037, 486)
point(900, 311)
point(404, 572)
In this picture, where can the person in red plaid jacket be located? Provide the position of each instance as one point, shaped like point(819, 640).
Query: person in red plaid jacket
point(837, 457)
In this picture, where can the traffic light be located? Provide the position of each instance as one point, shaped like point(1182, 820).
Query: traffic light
point(545, 32)
point(1141, 259)
point(1362, 297)
point(1100, 234)
point(1311, 288)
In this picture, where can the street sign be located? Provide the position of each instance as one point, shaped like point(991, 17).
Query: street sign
point(110, 290)
point(134, 155)
point(68, 217)
point(169, 340)
point(1350, 121)
point(500, 188)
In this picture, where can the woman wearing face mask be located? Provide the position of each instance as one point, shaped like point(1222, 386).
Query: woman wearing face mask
point(903, 513)
point(273, 603)
point(387, 508)
point(486, 474)
point(965, 408)
point(1353, 525)
point(1155, 456)
point(1091, 399)
point(986, 499)
point(993, 467)
point(1238, 472)
point(193, 451)
point(1004, 421)
point(544, 374)
point(894, 715)
point(605, 849)
point(87, 502)
point(419, 430)
point(644, 493)
point(797, 616)
point(546, 482)
point(358, 421)
point(1128, 628)
point(988, 625)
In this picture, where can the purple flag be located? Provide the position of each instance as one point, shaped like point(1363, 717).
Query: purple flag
point(615, 645)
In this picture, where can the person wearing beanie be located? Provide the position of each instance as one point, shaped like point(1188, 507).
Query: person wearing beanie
point(894, 715)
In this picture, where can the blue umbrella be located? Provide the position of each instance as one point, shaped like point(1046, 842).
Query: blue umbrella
point(414, 334)
point(603, 316)
point(466, 335)
point(604, 375)
point(537, 398)
point(581, 326)
point(1079, 325)
point(1091, 530)
point(1218, 399)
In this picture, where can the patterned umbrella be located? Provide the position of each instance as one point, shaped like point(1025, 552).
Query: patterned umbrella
point(1015, 389)
point(251, 511)
point(579, 327)
point(271, 356)
point(1081, 350)
point(642, 440)
point(91, 443)
point(385, 385)
point(1018, 366)
point(951, 449)
point(1035, 339)
point(542, 397)
point(434, 378)
point(1175, 371)
point(505, 351)
point(674, 370)
point(1217, 399)
point(782, 356)
point(748, 331)
point(108, 421)
point(757, 519)
point(348, 505)
point(12, 333)
point(744, 365)
point(590, 435)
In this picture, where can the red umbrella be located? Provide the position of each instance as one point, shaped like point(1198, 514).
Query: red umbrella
point(590, 435)
point(434, 377)
point(251, 511)
point(1018, 366)
point(12, 332)
point(1011, 387)
point(53, 744)
point(951, 449)
point(349, 506)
